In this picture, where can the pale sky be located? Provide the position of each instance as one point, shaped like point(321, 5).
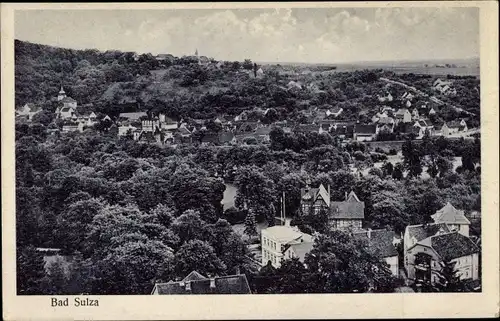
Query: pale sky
point(326, 35)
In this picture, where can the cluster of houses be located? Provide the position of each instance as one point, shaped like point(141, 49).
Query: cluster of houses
point(444, 87)
point(426, 247)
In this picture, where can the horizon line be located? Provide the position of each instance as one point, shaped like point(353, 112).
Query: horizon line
point(269, 62)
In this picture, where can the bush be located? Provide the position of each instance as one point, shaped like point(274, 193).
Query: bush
point(378, 157)
point(358, 155)
point(234, 216)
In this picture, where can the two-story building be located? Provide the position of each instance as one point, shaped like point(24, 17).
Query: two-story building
point(277, 243)
point(348, 214)
point(403, 115)
point(428, 246)
point(455, 219)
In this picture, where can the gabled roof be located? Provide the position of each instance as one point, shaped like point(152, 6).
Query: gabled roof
point(381, 241)
point(450, 215)
point(401, 111)
point(421, 231)
point(453, 245)
point(315, 193)
point(194, 276)
point(231, 284)
point(352, 197)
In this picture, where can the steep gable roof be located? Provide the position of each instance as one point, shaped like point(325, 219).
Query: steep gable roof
point(449, 214)
point(453, 245)
point(193, 276)
point(352, 197)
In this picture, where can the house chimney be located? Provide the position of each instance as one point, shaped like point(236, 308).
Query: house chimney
point(238, 269)
point(369, 233)
point(346, 196)
point(212, 283)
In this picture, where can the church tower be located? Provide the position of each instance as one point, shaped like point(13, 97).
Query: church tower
point(61, 95)
point(196, 52)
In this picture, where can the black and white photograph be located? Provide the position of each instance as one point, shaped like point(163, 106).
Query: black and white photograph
point(247, 151)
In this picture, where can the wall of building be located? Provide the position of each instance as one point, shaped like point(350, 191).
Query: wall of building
point(393, 263)
point(271, 250)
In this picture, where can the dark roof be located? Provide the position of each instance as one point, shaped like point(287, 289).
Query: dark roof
point(365, 129)
point(210, 138)
point(421, 232)
point(453, 245)
point(68, 100)
point(232, 284)
point(380, 241)
point(65, 109)
point(347, 210)
point(134, 115)
point(307, 128)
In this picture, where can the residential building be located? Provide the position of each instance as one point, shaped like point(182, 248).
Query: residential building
point(388, 97)
point(428, 246)
point(403, 115)
point(28, 111)
point(363, 133)
point(383, 242)
point(66, 112)
point(196, 283)
point(276, 240)
point(455, 219)
point(425, 259)
point(313, 200)
point(347, 214)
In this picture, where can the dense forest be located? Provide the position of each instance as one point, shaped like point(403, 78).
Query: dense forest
point(133, 214)
point(182, 88)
